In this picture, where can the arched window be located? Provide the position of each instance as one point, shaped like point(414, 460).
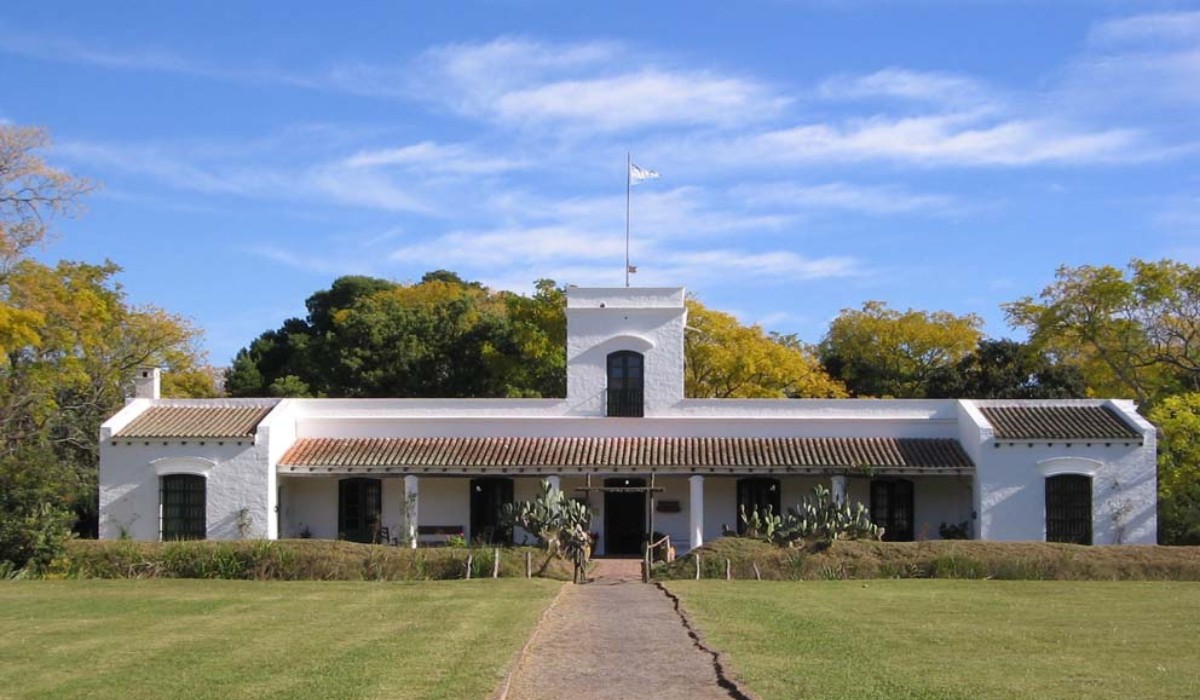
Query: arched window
point(359, 510)
point(1069, 508)
point(892, 508)
point(625, 384)
point(756, 493)
point(184, 505)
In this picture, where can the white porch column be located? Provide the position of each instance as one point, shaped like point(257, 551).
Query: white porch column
point(837, 488)
point(696, 510)
point(555, 482)
point(412, 490)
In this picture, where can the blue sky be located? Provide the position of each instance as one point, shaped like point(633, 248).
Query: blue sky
point(935, 155)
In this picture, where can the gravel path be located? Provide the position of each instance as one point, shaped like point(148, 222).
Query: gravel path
point(614, 638)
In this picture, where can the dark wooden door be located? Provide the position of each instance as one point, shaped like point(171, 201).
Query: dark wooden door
point(488, 498)
point(624, 517)
point(359, 509)
point(892, 508)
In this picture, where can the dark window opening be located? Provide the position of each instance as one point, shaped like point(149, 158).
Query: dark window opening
point(360, 507)
point(892, 508)
point(625, 384)
point(756, 493)
point(184, 507)
point(1069, 508)
point(488, 498)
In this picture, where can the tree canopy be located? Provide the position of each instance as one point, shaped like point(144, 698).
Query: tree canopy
point(880, 351)
point(1133, 333)
point(70, 344)
point(726, 360)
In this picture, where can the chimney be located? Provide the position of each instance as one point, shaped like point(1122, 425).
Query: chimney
point(148, 383)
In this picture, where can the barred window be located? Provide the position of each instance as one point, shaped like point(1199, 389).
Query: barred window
point(1069, 508)
point(184, 504)
point(625, 384)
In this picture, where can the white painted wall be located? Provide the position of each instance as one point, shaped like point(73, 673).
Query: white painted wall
point(129, 486)
point(604, 321)
point(1011, 485)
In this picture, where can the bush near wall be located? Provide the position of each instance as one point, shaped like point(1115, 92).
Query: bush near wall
point(938, 559)
point(292, 560)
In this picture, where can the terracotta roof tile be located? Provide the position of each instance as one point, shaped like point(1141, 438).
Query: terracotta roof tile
point(196, 422)
point(1058, 423)
point(574, 453)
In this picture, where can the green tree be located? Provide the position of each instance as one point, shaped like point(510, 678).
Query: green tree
point(879, 351)
point(725, 360)
point(1178, 420)
point(1006, 369)
point(70, 344)
point(1132, 333)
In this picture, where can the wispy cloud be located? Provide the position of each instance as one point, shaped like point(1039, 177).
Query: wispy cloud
point(845, 197)
point(944, 89)
point(597, 86)
point(947, 140)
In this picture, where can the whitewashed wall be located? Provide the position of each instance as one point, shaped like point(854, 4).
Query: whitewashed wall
point(237, 480)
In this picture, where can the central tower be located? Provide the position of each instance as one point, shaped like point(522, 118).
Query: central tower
point(624, 350)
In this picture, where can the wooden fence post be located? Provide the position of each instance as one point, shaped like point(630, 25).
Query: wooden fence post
point(528, 564)
point(697, 567)
point(496, 563)
point(757, 573)
point(728, 571)
point(470, 558)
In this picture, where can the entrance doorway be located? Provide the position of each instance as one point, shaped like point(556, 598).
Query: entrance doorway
point(624, 516)
point(488, 497)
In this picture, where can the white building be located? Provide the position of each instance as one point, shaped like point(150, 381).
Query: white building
point(368, 469)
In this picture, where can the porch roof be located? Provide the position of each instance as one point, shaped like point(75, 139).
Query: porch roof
point(682, 455)
point(1024, 422)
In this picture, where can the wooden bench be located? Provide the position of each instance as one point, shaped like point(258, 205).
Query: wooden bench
point(438, 534)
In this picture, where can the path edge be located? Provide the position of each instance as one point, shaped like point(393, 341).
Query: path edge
point(501, 692)
point(722, 667)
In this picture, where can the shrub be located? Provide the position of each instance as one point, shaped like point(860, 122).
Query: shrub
point(288, 560)
point(34, 523)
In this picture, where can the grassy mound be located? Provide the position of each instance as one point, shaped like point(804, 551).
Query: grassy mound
point(938, 559)
point(292, 560)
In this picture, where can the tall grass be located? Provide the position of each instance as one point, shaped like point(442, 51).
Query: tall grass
point(960, 559)
point(291, 560)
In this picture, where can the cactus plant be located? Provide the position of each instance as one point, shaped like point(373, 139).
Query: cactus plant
point(816, 518)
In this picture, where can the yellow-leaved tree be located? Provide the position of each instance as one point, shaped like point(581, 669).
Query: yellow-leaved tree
point(726, 360)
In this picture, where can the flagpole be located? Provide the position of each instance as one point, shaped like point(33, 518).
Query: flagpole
point(628, 188)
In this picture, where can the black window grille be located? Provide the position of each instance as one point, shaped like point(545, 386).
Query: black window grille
point(756, 493)
point(625, 384)
point(184, 507)
point(892, 508)
point(1069, 508)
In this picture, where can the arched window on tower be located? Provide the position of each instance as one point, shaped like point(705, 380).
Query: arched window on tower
point(625, 384)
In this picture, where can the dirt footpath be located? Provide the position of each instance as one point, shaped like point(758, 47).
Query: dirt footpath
point(614, 638)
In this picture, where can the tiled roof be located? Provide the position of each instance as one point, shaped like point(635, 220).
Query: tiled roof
point(617, 453)
point(196, 422)
point(1058, 423)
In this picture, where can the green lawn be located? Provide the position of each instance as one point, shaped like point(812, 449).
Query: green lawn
point(251, 639)
point(954, 639)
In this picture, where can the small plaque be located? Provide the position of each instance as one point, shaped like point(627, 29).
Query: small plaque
point(667, 507)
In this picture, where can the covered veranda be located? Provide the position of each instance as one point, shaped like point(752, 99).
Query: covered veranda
point(421, 490)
